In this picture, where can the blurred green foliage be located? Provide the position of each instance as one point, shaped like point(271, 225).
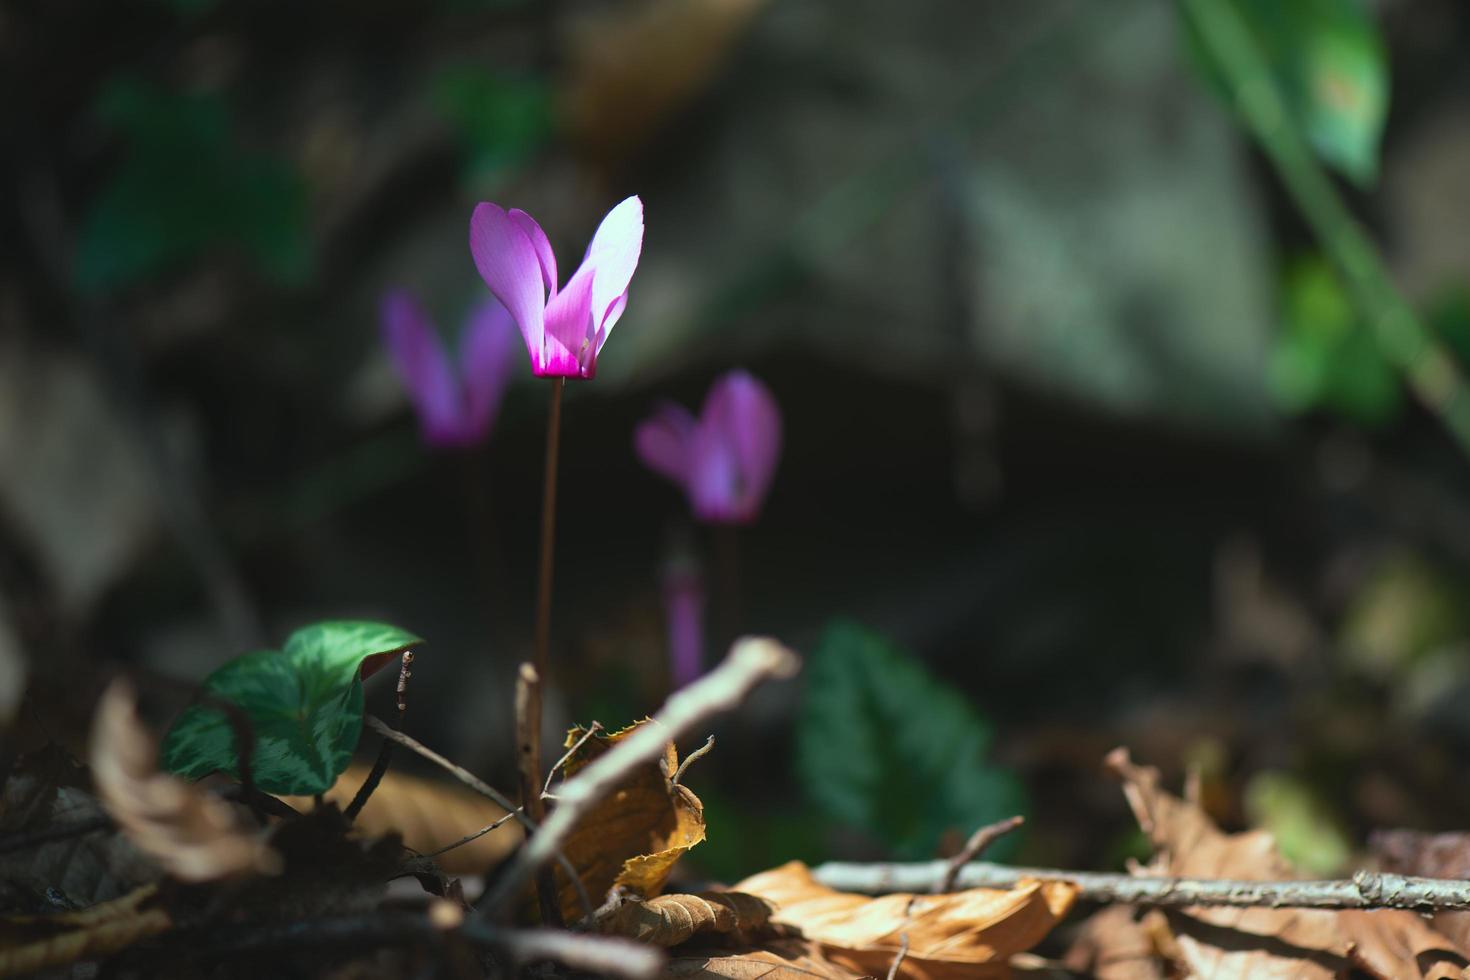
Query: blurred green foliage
point(1332, 67)
point(1325, 357)
point(885, 747)
point(501, 120)
point(1405, 609)
point(185, 186)
point(1307, 831)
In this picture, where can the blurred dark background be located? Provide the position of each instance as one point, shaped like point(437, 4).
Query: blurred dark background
point(1077, 414)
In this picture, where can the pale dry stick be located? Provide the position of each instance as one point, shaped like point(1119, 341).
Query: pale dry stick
point(592, 729)
point(692, 757)
point(485, 789)
point(974, 847)
point(385, 751)
point(471, 838)
point(1365, 890)
point(528, 768)
point(751, 661)
point(903, 950)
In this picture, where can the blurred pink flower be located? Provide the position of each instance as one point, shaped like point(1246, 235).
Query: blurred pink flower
point(684, 598)
point(456, 404)
point(564, 330)
point(724, 460)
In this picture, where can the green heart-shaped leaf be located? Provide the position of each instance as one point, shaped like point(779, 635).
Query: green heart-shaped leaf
point(304, 705)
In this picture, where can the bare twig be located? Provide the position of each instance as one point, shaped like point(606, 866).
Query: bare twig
point(528, 767)
point(752, 661)
point(485, 789)
point(1365, 890)
point(903, 950)
point(470, 838)
point(692, 757)
point(244, 731)
point(974, 847)
point(597, 954)
point(385, 751)
point(592, 729)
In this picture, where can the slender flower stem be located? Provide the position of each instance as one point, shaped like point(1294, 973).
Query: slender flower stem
point(548, 534)
point(728, 604)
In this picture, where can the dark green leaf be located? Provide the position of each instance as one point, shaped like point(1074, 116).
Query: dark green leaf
point(1332, 68)
point(304, 704)
point(183, 188)
point(886, 747)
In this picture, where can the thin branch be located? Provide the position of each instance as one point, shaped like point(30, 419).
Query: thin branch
point(903, 950)
point(385, 751)
point(693, 757)
point(244, 731)
point(605, 955)
point(974, 847)
point(471, 838)
point(1365, 890)
point(485, 789)
point(592, 729)
point(528, 768)
point(752, 661)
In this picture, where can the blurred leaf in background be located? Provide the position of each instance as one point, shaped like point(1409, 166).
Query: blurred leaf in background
point(184, 187)
point(1332, 67)
point(1324, 357)
point(500, 119)
point(884, 746)
point(1308, 831)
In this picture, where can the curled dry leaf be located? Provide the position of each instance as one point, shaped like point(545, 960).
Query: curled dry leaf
point(633, 838)
point(429, 813)
point(1263, 942)
point(672, 920)
point(971, 933)
point(1115, 944)
point(191, 834)
point(777, 959)
point(31, 943)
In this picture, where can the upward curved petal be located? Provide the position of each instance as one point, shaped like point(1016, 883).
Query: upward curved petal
point(541, 244)
point(664, 442)
point(508, 263)
point(568, 348)
point(613, 257)
point(741, 414)
point(423, 365)
point(487, 358)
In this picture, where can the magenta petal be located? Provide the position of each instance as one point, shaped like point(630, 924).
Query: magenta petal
point(487, 354)
point(422, 364)
point(740, 421)
point(568, 346)
point(613, 255)
point(664, 442)
point(508, 263)
point(544, 255)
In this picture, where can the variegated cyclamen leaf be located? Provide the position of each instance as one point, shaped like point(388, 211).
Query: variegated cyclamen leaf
point(304, 703)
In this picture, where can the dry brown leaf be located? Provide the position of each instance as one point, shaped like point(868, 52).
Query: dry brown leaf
point(671, 920)
point(429, 813)
point(633, 838)
point(1264, 942)
point(778, 959)
point(962, 934)
point(191, 834)
point(49, 789)
point(1114, 945)
point(1409, 852)
point(31, 943)
point(630, 73)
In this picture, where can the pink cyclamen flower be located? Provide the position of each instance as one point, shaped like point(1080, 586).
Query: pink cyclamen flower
point(724, 460)
point(564, 330)
point(456, 404)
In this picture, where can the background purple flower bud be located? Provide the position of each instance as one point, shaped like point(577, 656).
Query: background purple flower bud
point(456, 399)
point(725, 459)
point(564, 330)
point(684, 602)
